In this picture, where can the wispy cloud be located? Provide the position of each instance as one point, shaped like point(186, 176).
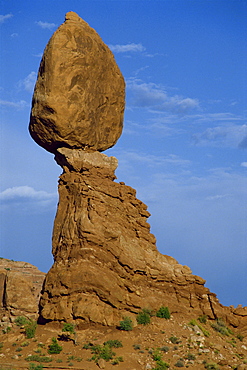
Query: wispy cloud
point(24, 192)
point(244, 164)
point(217, 117)
point(28, 82)
point(127, 48)
point(3, 18)
point(26, 195)
point(155, 160)
point(224, 135)
point(46, 25)
point(151, 95)
point(16, 105)
point(243, 143)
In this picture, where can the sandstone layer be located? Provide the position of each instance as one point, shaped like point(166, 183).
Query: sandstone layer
point(79, 95)
point(20, 288)
point(106, 262)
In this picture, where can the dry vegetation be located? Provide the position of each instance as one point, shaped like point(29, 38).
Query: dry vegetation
point(161, 344)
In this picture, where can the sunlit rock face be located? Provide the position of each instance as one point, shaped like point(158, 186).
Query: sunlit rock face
point(106, 264)
point(78, 100)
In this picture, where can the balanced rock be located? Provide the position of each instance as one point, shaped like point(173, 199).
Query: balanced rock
point(79, 95)
point(106, 264)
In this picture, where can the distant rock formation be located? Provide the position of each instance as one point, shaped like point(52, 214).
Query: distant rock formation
point(20, 288)
point(78, 100)
point(106, 264)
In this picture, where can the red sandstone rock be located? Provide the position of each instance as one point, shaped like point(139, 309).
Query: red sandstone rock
point(78, 100)
point(106, 262)
point(20, 289)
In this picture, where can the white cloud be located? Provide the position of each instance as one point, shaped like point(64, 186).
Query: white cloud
point(217, 196)
point(3, 18)
point(244, 164)
point(154, 160)
point(127, 48)
point(224, 135)
point(46, 25)
point(217, 117)
point(151, 95)
point(14, 34)
point(21, 192)
point(27, 198)
point(17, 105)
point(28, 82)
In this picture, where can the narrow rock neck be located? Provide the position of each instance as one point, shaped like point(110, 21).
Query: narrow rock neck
point(78, 160)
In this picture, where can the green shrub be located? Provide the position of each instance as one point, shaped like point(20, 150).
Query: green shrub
point(143, 318)
point(136, 346)
point(205, 332)
point(240, 337)
point(29, 325)
point(67, 327)
point(179, 363)
point(157, 355)
point(113, 343)
point(163, 312)
point(21, 321)
point(161, 365)
point(104, 352)
point(211, 366)
point(174, 340)
point(88, 345)
point(126, 324)
point(117, 360)
point(35, 367)
point(164, 349)
point(220, 327)
point(202, 319)
point(38, 358)
point(54, 348)
point(190, 356)
point(192, 322)
point(30, 328)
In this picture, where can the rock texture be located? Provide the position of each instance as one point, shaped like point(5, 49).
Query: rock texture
point(106, 262)
point(20, 288)
point(78, 100)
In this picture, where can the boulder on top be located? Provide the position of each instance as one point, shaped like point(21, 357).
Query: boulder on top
point(79, 96)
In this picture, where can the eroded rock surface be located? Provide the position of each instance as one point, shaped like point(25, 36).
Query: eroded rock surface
point(106, 262)
point(78, 100)
point(20, 289)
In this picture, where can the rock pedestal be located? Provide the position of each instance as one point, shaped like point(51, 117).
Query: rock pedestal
point(106, 262)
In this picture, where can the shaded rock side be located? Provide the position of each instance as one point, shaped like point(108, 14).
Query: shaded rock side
point(79, 96)
point(20, 289)
point(106, 262)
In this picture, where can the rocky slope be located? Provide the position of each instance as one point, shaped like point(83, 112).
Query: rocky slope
point(177, 342)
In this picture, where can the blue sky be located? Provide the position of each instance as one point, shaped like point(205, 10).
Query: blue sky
point(184, 144)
